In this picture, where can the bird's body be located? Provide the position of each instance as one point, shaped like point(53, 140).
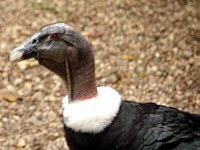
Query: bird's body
point(142, 127)
point(97, 118)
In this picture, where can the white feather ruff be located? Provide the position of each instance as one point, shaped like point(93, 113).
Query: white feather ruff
point(92, 115)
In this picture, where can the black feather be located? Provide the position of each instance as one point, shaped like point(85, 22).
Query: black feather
point(142, 127)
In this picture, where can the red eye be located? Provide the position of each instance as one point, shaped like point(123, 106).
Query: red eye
point(55, 37)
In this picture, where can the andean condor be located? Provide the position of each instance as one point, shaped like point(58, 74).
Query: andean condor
point(95, 118)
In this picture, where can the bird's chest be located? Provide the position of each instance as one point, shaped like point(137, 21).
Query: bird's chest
point(85, 141)
point(116, 136)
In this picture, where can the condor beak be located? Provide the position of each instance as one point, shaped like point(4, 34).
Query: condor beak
point(23, 52)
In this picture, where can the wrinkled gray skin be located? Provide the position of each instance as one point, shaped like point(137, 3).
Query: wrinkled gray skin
point(70, 57)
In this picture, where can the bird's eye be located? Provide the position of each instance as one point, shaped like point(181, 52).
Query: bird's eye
point(55, 37)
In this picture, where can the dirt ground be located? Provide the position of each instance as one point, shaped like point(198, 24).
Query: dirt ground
point(148, 50)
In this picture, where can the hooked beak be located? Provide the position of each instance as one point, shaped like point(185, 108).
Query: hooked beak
point(22, 53)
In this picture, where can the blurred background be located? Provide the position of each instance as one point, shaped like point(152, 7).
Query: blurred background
point(148, 50)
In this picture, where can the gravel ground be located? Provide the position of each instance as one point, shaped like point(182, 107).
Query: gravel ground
point(148, 50)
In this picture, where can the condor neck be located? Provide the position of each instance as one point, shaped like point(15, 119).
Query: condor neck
point(80, 81)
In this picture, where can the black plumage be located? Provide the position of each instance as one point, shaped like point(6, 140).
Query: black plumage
point(134, 126)
point(142, 127)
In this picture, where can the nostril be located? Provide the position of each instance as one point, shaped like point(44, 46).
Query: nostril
point(34, 41)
